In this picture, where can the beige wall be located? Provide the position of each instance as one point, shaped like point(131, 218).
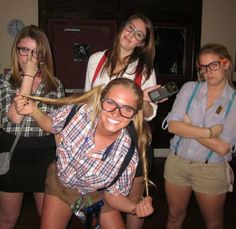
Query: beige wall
point(27, 11)
point(218, 24)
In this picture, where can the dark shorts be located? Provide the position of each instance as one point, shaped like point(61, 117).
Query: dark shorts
point(29, 162)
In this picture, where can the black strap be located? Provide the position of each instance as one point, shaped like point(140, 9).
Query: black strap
point(132, 132)
point(71, 114)
point(123, 166)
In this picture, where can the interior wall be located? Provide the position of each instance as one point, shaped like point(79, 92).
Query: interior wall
point(218, 24)
point(27, 11)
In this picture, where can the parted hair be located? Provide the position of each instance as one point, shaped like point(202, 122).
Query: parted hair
point(144, 53)
point(45, 61)
point(94, 97)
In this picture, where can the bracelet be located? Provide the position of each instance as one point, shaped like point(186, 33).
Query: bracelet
point(37, 110)
point(28, 75)
point(210, 132)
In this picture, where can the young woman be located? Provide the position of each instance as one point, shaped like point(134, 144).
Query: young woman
point(131, 57)
point(91, 149)
point(204, 124)
point(31, 73)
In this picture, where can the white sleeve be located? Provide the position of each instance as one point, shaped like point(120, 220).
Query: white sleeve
point(150, 83)
point(91, 68)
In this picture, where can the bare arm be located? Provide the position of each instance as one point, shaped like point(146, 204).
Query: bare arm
point(124, 204)
point(30, 69)
point(24, 106)
point(209, 137)
point(215, 144)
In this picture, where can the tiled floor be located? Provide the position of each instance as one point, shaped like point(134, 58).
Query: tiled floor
point(29, 219)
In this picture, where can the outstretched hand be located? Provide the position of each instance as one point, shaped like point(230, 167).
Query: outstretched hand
point(146, 97)
point(144, 207)
point(23, 105)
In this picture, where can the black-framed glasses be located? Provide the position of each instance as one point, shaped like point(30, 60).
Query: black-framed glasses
point(110, 105)
point(138, 34)
point(23, 51)
point(214, 66)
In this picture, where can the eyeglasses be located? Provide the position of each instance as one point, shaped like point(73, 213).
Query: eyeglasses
point(125, 111)
point(214, 66)
point(23, 51)
point(138, 34)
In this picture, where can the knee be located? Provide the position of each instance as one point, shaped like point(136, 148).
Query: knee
point(176, 216)
point(8, 220)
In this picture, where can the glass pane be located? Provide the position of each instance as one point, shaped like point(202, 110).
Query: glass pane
point(170, 50)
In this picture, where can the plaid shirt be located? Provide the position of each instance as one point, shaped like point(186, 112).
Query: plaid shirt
point(78, 168)
point(7, 94)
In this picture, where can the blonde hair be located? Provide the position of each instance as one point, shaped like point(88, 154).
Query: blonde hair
point(222, 52)
point(93, 98)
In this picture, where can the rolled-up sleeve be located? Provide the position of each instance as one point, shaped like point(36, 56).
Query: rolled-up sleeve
point(181, 102)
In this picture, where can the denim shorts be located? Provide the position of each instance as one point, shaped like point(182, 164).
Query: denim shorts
point(208, 178)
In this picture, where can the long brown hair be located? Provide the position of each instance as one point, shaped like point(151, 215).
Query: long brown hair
point(144, 54)
point(45, 61)
point(94, 97)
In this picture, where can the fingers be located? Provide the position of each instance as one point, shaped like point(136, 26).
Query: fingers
point(20, 102)
point(144, 207)
point(31, 66)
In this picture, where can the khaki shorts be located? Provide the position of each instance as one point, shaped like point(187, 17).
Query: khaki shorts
point(204, 178)
point(53, 186)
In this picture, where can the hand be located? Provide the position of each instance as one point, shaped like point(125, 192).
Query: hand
point(144, 207)
point(23, 105)
point(30, 67)
point(216, 130)
point(146, 97)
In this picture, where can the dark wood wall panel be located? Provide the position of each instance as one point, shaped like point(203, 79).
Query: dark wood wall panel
point(73, 41)
point(177, 25)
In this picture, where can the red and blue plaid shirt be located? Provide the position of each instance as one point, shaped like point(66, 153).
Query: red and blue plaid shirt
point(88, 172)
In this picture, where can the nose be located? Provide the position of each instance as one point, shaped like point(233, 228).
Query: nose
point(116, 112)
point(29, 56)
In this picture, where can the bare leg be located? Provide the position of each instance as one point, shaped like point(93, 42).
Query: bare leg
point(212, 208)
point(177, 198)
point(38, 196)
point(10, 208)
point(55, 213)
point(136, 192)
point(112, 220)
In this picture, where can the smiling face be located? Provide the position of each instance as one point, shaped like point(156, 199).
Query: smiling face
point(131, 35)
point(215, 71)
point(110, 123)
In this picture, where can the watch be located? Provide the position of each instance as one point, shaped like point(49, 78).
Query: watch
point(14, 26)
